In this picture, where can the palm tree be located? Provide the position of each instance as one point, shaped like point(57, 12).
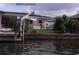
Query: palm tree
point(59, 25)
point(62, 24)
point(66, 20)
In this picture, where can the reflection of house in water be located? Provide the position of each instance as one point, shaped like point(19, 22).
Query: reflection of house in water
point(42, 22)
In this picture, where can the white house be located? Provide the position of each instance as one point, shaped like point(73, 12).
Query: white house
point(41, 22)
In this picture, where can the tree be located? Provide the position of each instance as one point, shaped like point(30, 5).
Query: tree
point(64, 24)
point(66, 20)
point(13, 22)
point(59, 25)
point(27, 25)
point(73, 27)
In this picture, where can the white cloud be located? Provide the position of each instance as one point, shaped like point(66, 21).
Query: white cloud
point(3, 4)
point(54, 13)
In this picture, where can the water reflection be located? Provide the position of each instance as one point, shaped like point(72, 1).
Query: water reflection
point(8, 48)
point(67, 47)
point(40, 47)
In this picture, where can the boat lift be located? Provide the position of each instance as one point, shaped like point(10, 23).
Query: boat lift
point(21, 26)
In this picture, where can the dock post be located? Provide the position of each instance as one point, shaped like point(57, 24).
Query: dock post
point(22, 29)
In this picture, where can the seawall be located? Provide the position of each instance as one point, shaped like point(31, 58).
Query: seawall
point(52, 36)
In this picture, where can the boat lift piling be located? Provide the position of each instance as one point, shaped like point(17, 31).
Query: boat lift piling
point(21, 25)
point(22, 29)
point(19, 33)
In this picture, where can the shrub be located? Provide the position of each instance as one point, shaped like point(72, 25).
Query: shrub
point(33, 31)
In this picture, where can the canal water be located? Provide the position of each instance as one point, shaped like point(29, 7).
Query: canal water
point(40, 47)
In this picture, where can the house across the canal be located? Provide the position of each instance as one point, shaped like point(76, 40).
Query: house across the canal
point(75, 17)
point(42, 22)
point(4, 18)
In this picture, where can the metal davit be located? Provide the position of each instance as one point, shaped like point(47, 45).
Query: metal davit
point(20, 31)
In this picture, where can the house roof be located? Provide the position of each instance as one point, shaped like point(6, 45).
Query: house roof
point(13, 13)
point(39, 17)
point(75, 16)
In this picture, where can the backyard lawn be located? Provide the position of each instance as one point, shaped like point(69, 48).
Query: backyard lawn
point(44, 31)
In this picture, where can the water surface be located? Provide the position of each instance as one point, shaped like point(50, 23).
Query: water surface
point(40, 47)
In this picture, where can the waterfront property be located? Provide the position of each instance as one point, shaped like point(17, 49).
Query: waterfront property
point(4, 21)
point(41, 35)
point(42, 22)
point(75, 17)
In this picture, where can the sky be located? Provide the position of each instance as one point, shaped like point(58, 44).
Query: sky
point(45, 9)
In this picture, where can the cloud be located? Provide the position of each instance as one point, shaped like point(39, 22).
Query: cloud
point(28, 9)
point(54, 10)
point(3, 4)
point(51, 10)
point(54, 13)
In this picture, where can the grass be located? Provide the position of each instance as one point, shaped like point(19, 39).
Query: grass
point(44, 31)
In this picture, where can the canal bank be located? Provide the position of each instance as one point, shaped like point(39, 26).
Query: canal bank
point(7, 36)
point(11, 36)
point(52, 36)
